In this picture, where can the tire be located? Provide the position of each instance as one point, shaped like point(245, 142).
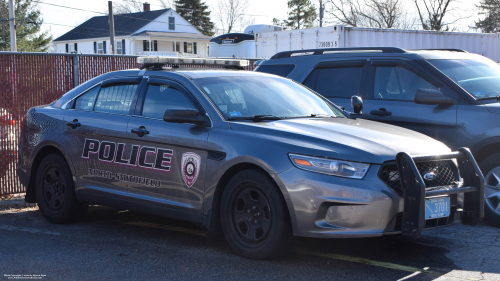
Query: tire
point(55, 191)
point(255, 218)
point(490, 167)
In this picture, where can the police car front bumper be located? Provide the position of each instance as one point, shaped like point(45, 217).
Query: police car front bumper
point(326, 206)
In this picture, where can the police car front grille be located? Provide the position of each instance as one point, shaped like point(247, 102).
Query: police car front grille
point(445, 172)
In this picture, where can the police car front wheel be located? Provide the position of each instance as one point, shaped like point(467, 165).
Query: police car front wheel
point(55, 191)
point(254, 216)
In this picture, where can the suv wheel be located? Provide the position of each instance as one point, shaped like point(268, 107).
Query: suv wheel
point(490, 167)
point(55, 191)
point(254, 216)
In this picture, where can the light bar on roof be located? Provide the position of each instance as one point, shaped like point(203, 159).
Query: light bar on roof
point(149, 60)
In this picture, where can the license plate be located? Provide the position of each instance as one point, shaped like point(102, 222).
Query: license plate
point(437, 208)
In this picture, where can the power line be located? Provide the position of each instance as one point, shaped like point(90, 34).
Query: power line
point(123, 16)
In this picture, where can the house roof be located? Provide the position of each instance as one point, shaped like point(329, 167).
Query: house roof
point(172, 35)
point(125, 24)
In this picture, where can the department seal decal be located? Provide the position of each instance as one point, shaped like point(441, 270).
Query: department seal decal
point(190, 167)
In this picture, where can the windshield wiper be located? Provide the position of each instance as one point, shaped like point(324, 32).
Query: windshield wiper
point(320, 115)
point(255, 118)
point(490, 98)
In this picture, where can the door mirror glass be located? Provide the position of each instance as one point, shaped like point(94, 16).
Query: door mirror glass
point(357, 104)
point(432, 97)
point(185, 115)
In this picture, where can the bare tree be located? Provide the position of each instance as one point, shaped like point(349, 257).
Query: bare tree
point(231, 13)
point(127, 7)
point(167, 3)
point(369, 13)
point(432, 12)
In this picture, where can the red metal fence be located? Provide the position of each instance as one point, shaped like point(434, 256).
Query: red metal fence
point(31, 79)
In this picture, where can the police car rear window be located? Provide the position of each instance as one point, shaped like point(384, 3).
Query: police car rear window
point(116, 99)
point(277, 69)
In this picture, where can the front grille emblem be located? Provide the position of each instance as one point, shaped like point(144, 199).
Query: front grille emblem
point(429, 176)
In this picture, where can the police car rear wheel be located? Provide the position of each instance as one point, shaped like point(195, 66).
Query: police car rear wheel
point(254, 217)
point(55, 191)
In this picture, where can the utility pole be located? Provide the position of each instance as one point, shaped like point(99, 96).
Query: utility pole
point(321, 13)
point(111, 27)
point(12, 22)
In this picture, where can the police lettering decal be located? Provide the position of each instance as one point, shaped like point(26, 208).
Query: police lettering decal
point(115, 152)
point(190, 167)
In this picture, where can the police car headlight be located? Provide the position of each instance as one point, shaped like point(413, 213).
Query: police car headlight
point(339, 168)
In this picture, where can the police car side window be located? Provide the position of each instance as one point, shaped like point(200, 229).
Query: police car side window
point(162, 97)
point(86, 101)
point(116, 99)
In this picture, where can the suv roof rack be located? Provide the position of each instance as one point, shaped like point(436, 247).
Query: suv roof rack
point(450, 50)
point(288, 54)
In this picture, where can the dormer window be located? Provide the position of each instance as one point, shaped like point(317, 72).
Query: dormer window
point(171, 23)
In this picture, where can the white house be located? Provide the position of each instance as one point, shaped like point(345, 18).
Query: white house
point(160, 32)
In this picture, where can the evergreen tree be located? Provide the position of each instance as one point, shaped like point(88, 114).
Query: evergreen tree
point(196, 13)
point(28, 25)
point(302, 14)
point(491, 10)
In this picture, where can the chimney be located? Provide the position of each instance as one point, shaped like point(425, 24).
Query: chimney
point(147, 7)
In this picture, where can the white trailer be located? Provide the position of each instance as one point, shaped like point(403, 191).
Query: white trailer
point(269, 43)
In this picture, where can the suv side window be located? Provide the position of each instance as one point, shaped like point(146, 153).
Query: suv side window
point(86, 101)
point(338, 82)
point(116, 99)
point(162, 97)
point(397, 83)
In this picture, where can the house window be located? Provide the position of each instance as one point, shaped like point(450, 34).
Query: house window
point(155, 46)
point(185, 47)
point(145, 45)
point(177, 46)
point(100, 48)
point(171, 23)
point(189, 48)
point(76, 47)
point(119, 49)
point(195, 51)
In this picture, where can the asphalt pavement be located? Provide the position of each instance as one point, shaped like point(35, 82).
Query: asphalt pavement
point(110, 244)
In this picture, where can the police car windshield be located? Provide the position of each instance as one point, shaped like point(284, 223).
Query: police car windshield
point(481, 78)
point(264, 98)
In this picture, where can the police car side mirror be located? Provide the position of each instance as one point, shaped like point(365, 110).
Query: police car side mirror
point(185, 115)
point(431, 97)
point(357, 104)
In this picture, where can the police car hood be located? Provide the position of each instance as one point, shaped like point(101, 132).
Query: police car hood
point(342, 138)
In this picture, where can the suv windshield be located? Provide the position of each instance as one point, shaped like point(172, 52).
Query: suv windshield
point(481, 78)
point(264, 98)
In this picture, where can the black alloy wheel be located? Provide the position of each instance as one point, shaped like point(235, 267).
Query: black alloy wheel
point(53, 188)
point(55, 191)
point(251, 213)
point(254, 216)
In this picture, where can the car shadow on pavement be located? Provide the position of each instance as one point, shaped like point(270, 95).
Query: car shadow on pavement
point(437, 253)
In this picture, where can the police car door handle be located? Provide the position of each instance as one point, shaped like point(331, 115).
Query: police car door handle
point(74, 124)
point(140, 132)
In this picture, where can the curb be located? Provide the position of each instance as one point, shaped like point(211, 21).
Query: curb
point(15, 203)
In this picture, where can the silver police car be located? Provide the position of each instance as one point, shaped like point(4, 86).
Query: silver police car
point(254, 156)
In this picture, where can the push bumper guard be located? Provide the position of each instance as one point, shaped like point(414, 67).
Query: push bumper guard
point(415, 190)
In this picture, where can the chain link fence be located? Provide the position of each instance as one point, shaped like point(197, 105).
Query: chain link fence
point(32, 79)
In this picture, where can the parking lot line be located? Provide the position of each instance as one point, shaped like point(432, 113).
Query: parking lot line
point(364, 261)
point(302, 251)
